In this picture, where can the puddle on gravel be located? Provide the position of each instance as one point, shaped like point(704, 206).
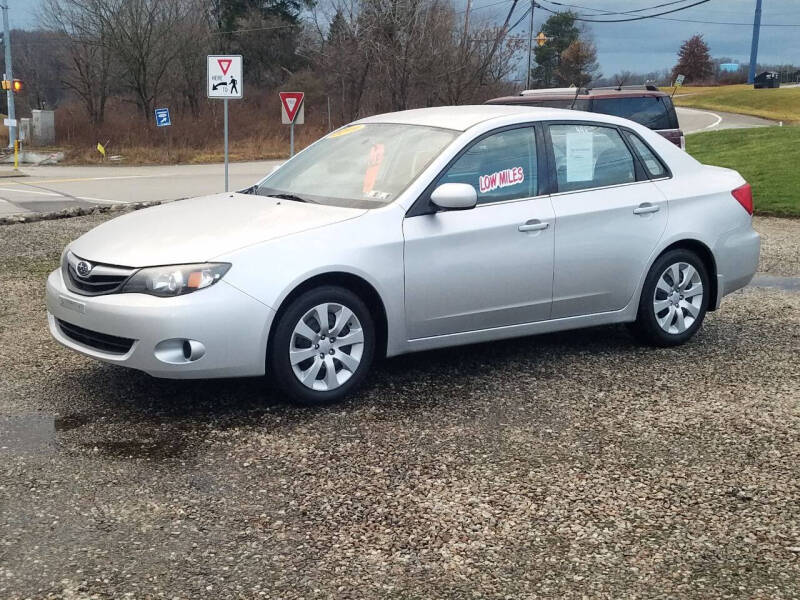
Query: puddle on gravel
point(791, 284)
point(37, 434)
point(70, 422)
point(152, 449)
point(26, 434)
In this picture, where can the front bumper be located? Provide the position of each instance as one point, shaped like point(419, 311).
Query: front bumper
point(231, 326)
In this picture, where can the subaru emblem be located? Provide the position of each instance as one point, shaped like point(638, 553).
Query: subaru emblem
point(83, 269)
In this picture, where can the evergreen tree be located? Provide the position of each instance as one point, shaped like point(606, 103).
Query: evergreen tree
point(694, 61)
point(561, 31)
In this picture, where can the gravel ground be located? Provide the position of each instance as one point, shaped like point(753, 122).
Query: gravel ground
point(780, 246)
point(577, 465)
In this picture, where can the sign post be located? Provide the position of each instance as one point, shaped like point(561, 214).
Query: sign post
point(224, 80)
point(292, 112)
point(678, 83)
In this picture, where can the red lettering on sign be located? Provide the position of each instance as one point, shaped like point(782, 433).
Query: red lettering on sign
point(501, 179)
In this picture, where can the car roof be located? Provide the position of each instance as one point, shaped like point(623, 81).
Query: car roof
point(462, 118)
point(560, 94)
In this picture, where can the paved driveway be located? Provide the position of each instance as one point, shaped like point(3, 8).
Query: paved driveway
point(694, 121)
point(53, 187)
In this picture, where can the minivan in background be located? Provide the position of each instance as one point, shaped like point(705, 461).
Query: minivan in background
point(643, 104)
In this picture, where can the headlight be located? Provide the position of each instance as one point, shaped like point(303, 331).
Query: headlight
point(175, 280)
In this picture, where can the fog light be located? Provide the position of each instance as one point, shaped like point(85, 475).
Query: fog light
point(179, 351)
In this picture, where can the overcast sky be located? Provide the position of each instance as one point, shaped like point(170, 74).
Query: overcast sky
point(652, 44)
point(640, 46)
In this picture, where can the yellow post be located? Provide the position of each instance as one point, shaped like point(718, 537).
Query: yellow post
point(16, 155)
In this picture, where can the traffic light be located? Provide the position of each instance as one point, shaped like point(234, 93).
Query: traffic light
point(15, 85)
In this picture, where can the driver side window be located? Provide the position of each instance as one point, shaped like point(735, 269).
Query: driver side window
point(501, 166)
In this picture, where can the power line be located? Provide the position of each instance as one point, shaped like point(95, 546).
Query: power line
point(601, 12)
point(666, 12)
point(729, 22)
point(474, 8)
point(522, 18)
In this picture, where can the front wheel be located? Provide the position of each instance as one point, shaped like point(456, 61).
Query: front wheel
point(674, 299)
point(323, 345)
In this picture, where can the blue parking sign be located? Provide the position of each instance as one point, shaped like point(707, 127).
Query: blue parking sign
point(162, 117)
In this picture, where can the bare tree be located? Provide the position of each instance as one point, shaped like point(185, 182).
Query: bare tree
point(37, 61)
point(578, 64)
point(343, 60)
point(187, 73)
point(623, 78)
point(472, 57)
point(141, 35)
point(396, 45)
point(87, 60)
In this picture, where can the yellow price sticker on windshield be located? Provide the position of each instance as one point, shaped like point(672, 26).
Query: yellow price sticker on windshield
point(346, 131)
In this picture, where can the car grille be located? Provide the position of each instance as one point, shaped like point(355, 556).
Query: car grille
point(102, 278)
point(99, 341)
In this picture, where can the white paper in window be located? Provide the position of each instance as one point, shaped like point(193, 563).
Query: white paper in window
point(580, 156)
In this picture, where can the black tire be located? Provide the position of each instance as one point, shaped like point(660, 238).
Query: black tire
point(279, 366)
point(646, 327)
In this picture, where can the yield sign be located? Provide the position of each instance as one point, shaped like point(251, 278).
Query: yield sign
point(291, 103)
point(224, 64)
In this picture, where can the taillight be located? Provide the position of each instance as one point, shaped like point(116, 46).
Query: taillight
point(683, 142)
point(744, 195)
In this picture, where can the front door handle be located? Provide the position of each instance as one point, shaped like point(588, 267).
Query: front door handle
point(645, 208)
point(534, 225)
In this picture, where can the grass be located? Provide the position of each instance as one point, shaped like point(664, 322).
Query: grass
point(767, 157)
point(780, 104)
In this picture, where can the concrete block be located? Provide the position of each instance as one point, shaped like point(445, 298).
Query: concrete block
point(25, 130)
point(44, 127)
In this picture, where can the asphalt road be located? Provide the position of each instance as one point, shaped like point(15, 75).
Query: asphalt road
point(693, 120)
point(49, 188)
point(574, 465)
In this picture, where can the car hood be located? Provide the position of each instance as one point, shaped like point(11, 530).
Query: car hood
point(199, 229)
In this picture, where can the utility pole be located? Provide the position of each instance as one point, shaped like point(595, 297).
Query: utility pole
point(751, 77)
point(530, 48)
point(9, 76)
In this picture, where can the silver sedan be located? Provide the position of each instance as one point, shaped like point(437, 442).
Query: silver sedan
point(410, 231)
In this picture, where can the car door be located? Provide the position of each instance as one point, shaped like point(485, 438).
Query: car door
point(489, 266)
point(609, 219)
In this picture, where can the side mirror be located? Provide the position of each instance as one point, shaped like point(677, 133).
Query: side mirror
point(455, 196)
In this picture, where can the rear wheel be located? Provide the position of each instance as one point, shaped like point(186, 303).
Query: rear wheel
point(323, 345)
point(674, 299)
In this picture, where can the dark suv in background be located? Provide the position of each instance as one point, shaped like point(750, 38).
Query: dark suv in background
point(644, 104)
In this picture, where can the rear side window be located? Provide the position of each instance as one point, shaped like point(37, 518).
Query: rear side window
point(673, 116)
point(590, 156)
point(501, 166)
point(655, 168)
point(649, 111)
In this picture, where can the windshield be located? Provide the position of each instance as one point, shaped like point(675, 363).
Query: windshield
point(360, 166)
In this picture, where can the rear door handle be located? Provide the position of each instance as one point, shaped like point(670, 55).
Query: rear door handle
point(534, 225)
point(646, 208)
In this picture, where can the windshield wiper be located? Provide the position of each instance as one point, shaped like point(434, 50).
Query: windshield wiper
point(293, 197)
